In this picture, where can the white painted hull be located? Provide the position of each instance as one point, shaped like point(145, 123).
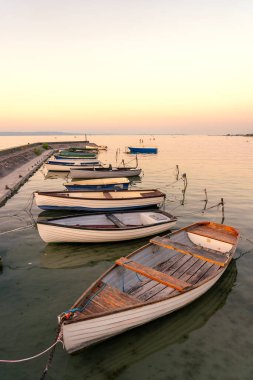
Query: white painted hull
point(66, 168)
point(103, 173)
point(76, 161)
point(59, 234)
point(52, 202)
point(84, 333)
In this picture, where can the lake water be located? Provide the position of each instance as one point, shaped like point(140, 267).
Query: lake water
point(210, 339)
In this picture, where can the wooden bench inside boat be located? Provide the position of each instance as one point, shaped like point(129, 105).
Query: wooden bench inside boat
point(107, 195)
point(202, 253)
point(208, 231)
point(155, 193)
point(153, 274)
point(115, 220)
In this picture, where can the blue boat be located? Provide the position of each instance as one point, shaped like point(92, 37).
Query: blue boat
point(99, 184)
point(74, 163)
point(141, 149)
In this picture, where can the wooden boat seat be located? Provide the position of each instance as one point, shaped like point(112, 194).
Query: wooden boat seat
point(115, 220)
point(202, 253)
point(151, 193)
point(95, 226)
point(107, 195)
point(108, 226)
point(209, 232)
point(153, 274)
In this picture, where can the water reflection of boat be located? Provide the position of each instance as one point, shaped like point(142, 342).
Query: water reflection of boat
point(101, 362)
point(63, 256)
point(55, 175)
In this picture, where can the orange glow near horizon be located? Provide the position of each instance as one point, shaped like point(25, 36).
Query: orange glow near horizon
point(185, 74)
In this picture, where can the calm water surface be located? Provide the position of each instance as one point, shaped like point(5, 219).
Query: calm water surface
point(210, 339)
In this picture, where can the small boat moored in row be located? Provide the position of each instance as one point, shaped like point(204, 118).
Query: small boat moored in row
point(143, 149)
point(101, 228)
point(69, 154)
point(99, 200)
point(104, 173)
point(99, 184)
point(58, 166)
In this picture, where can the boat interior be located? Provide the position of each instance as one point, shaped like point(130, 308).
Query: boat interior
point(115, 220)
point(167, 267)
point(110, 194)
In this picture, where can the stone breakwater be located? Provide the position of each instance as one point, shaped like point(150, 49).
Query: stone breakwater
point(11, 159)
point(19, 163)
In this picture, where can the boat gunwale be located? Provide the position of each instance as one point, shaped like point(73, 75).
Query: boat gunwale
point(195, 286)
point(172, 220)
point(57, 195)
point(107, 168)
point(141, 304)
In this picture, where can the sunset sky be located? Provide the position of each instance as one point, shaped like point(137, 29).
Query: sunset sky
point(154, 66)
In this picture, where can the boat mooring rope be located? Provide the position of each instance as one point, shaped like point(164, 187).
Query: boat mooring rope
point(50, 358)
point(34, 356)
point(27, 210)
point(17, 229)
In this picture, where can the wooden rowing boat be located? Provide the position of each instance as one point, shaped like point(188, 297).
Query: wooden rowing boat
point(68, 154)
point(99, 200)
point(99, 184)
point(104, 173)
point(115, 355)
point(143, 149)
point(167, 274)
point(78, 161)
point(106, 227)
point(56, 166)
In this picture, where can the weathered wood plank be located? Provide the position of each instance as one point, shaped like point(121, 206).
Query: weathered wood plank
point(153, 274)
point(115, 220)
point(213, 257)
point(194, 270)
point(146, 284)
point(175, 272)
point(110, 299)
point(201, 272)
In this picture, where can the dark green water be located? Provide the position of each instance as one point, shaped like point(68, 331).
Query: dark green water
point(210, 339)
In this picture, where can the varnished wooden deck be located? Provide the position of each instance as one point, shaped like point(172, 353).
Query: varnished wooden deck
point(181, 267)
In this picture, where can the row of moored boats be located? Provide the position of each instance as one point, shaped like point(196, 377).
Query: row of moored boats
point(166, 274)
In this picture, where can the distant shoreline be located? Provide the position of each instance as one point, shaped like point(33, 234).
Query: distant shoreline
point(111, 134)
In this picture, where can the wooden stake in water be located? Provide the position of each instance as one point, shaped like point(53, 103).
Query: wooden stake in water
point(184, 178)
point(177, 172)
point(222, 210)
point(205, 200)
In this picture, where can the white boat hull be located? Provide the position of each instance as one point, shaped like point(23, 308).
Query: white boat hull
point(53, 203)
point(58, 234)
point(82, 173)
point(66, 168)
point(81, 334)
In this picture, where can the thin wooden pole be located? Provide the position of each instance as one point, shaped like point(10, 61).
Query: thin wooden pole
point(177, 172)
point(222, 210)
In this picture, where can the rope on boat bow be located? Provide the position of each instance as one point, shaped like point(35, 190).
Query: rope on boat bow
point(68, 314)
